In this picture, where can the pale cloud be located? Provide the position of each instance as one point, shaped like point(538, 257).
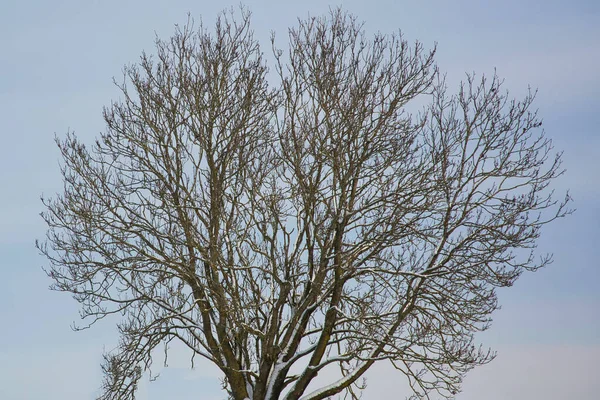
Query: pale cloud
point(49, 373)
point(522, 373)
point(518, 373)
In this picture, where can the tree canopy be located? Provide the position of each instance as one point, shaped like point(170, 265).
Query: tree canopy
point(283, 215)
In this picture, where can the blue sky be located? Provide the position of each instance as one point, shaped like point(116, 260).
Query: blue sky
point(56, 63)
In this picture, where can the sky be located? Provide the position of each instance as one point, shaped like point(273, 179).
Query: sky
point(57, 60)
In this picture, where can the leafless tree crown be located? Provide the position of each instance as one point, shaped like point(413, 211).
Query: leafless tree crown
point(281, 229)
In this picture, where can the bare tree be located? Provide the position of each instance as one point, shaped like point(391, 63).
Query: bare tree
point(281, 229)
